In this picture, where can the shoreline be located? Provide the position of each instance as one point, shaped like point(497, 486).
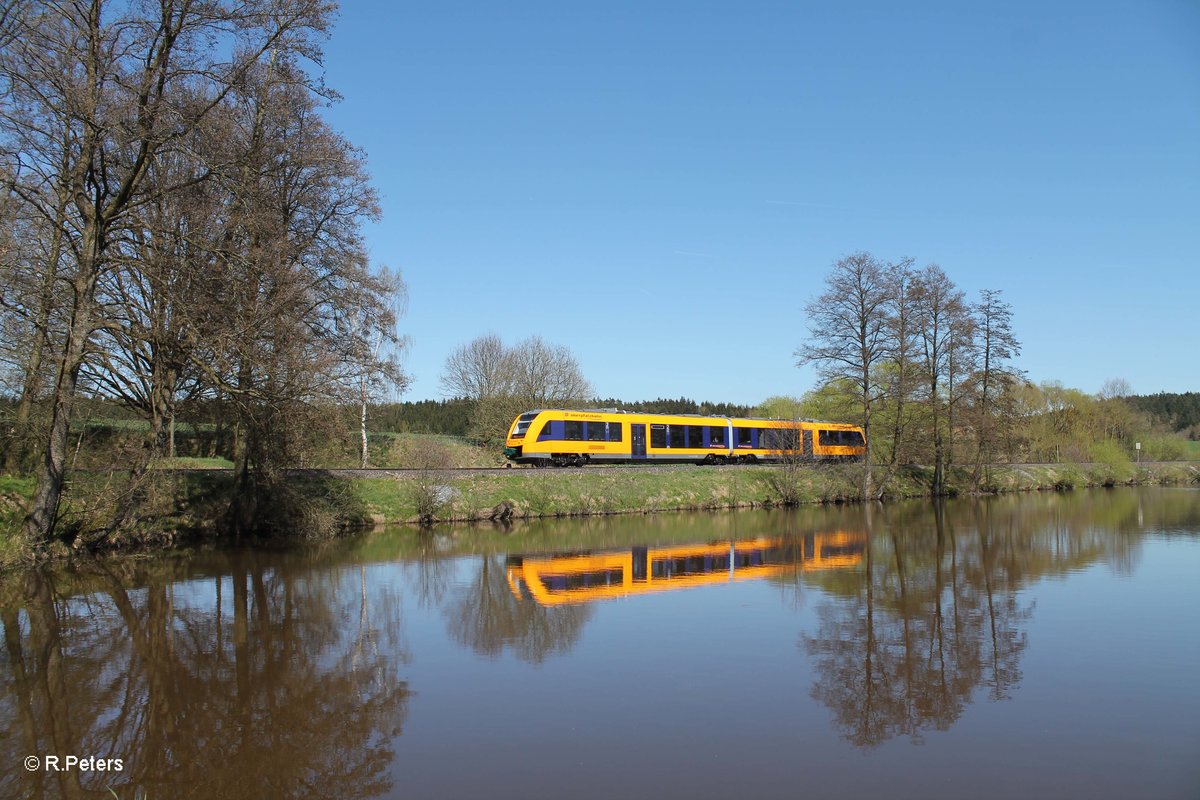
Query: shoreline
point(187, 508)
point(577, 494)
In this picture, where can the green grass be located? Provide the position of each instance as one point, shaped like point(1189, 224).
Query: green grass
point(175, 506)
point(1064, 477)
point(179, 506)
point(193, 463)
point(142, 425)
point(15, 492)
point(532, 493)
point(422, 450)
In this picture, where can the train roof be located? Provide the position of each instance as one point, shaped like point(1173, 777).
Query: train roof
point(671, 414)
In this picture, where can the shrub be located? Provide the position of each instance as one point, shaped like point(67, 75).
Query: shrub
point(1113, 463)
point(1165, 448)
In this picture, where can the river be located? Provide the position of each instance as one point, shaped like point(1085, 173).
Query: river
point(1042, 645)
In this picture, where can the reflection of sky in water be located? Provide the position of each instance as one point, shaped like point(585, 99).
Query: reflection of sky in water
point(708, 692)
point(654, 682)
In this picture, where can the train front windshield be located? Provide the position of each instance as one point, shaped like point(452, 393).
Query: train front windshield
point(523, 424)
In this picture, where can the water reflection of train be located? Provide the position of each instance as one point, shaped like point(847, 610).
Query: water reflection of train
point(583, 577)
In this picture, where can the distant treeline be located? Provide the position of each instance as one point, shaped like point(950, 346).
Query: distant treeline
point(1179, 411)
point(683, 405)
point(449, 417)
point(452, 417)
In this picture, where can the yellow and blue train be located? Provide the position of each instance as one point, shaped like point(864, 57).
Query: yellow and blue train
point(570, 438)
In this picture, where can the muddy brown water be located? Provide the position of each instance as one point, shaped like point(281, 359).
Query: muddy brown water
point(1041, 645)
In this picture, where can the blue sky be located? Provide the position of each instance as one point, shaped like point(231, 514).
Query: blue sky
point(662, 186)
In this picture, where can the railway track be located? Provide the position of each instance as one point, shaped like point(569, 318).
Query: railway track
point(399, 472)
point(384, 472)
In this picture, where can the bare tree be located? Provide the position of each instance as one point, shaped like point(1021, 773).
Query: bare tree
point(940, 307)
point(900, 367)
point(36, 252)
point(478, 370)
point(848, 331)
point(305, 323)
point(96, 93)
point(546, 374)
point(1114, 388)
point(962, 358)
point(160, 270)
point(913, 353)
point(504, 381)
point(998, 345)
point(372, 326)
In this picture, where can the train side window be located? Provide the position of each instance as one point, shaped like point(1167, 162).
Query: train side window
point(595, 431)
point(573, 431)
point(675, 436)
point(840, 439)
point(716, 436)
point(695, 435)
point(658, 436)
point(546, 432)
point(744, 436)
point(614, 431)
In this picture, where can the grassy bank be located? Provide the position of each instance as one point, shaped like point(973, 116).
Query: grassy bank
point(530, 494)
point(174, 508)
point(15, 492)
point(179, 508)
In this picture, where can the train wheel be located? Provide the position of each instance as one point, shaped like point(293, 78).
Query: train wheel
point(749, 460)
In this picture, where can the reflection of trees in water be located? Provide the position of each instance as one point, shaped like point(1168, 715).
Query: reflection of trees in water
point(252, 684)
point(428, 570)
point(933, 615)
point(484, 615)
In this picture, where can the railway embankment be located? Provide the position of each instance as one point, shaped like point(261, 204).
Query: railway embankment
point(185, 507)
point(560, 493)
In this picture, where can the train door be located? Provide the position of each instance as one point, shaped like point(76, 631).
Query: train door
point(808, 443)
point(637, 438)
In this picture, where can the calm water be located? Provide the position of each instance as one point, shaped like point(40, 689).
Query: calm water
point(1039, 646)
